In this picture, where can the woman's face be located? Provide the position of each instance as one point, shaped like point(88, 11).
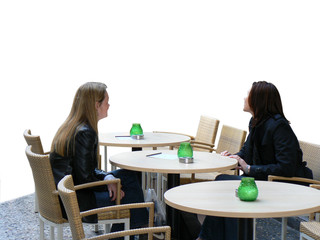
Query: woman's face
point(246, 106)
point(102, 108)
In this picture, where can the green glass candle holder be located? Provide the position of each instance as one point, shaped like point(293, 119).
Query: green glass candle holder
point(136, 131)
point(185, 153)
point(248, 190)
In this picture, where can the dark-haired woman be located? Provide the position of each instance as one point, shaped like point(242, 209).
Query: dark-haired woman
point(270, 149)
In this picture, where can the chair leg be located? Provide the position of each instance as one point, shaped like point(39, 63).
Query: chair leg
point(143, 181)
point(41, 223)
point(127, 227)
point(159, 182)
point(51, 233)
point(60, 233)
point(107, 228)
point(36, 204)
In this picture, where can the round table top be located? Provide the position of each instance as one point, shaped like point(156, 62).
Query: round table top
point(168, 162)
point(217, 198)
point(123, 139)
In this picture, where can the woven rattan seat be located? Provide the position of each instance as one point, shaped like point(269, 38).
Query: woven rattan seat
point(48, 198)
point(310, 230)
point(67, 193)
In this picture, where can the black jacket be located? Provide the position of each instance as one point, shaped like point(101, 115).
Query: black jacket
point(273, 149)
point(81, 163)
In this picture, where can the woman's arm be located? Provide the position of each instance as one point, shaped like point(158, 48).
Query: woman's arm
point(85, 157)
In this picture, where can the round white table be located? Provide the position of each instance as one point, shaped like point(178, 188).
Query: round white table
point(217, 198)
point(167, 162)
point(123, 139)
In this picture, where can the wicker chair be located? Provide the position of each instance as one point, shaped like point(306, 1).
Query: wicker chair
point(49, 204)
point(231, 139)
point(35, 142)
point(310, 230)
point(203, 141)
point(206, 134)
point(67, 193)
point(311, 154)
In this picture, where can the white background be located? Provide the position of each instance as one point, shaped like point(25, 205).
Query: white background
point(165, 64)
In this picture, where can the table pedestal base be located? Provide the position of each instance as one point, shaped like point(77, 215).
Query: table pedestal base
point(245, 231)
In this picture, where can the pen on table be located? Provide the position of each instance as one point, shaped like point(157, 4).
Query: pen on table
point(149, 155)
point(122, 136)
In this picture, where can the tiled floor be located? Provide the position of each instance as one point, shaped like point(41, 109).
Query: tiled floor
point(19, 222)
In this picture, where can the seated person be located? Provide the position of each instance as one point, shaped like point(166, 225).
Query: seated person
point(75, 151)
point(270, 149)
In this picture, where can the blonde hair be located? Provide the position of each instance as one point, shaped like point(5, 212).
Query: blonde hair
point(83, 111)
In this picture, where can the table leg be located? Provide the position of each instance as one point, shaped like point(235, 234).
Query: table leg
point(140, 174)
point(173, 215)
point(284, 228)
point(245, 231)
point(105, 159)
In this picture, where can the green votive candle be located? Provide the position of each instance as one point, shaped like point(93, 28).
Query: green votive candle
point(185, 150)
point(136, 129)
point(248, 190)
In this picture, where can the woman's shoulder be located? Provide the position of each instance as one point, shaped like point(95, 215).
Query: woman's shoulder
point(276, 119)
point(275, 122)
point(86, 130)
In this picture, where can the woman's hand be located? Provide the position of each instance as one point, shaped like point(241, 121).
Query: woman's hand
point(112, 188)
point(241, 162)
point(225, 153)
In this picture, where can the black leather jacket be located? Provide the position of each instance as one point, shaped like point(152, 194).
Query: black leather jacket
point(272, 148)
point(81, 163)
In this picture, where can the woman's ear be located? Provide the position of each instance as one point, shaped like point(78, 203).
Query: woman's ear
point(97, 105)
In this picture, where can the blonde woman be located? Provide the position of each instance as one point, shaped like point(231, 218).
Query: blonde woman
point(74, 151)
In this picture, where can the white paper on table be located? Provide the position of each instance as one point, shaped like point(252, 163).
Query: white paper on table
point(123, 137)
point(165, 156)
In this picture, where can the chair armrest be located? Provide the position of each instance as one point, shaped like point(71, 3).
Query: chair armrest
point(293, 179)
point(317, 186)
point(137, 231)
point(101, 183)
point(191, 137)
point(149, 205)
point(202, 143)
point(204, 147)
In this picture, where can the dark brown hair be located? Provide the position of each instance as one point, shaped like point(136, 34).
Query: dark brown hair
point(265, 101)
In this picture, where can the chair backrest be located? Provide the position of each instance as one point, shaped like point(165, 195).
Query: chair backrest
point(207, 130)
point(48, 198)
point(70, 202)
point(311, 154)
point(231, 139)
point(34, 141)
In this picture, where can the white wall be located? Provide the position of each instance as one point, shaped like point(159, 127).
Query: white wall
point(165, 64)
